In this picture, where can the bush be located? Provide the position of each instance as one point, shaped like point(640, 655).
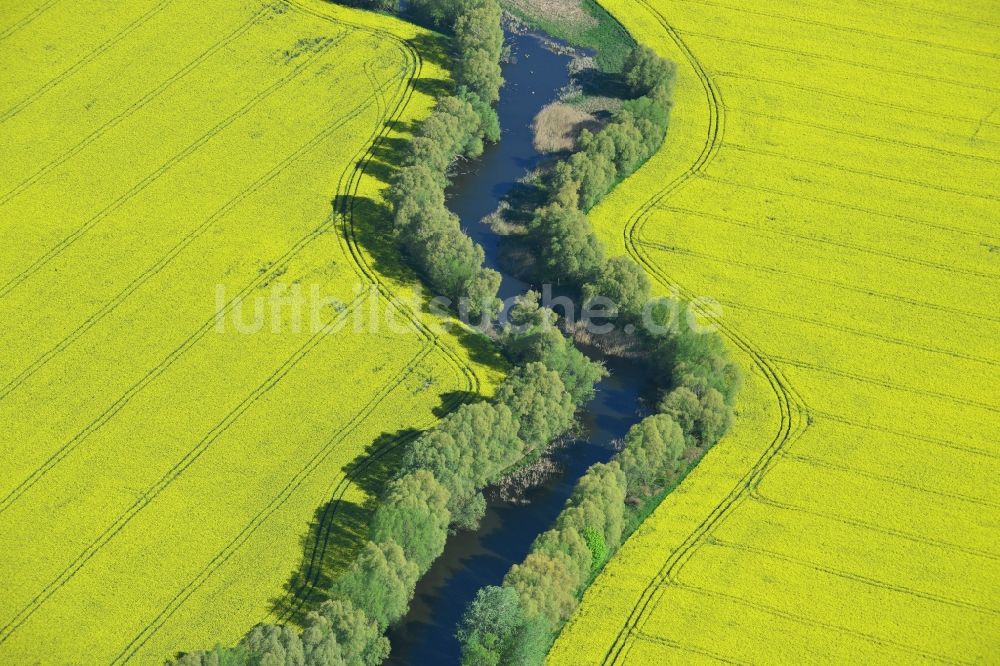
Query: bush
point(598, 548)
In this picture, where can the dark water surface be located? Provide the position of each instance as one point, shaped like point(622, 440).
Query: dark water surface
point(472, 560)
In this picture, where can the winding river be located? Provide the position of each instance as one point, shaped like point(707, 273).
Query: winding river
point(471, 560)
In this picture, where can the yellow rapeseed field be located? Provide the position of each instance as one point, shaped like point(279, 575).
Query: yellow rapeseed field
point(168, 168)
point(830, 179)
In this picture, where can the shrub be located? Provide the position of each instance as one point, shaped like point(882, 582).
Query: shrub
point(597, 546)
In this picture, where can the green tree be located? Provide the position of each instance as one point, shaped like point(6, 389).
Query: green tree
point(440, 14)
point(360, 639)
point(489, 626)
point(414, 514)
point(539, 401)
point(569, 544)
point(568, 250)
point(489, 123)
point(703, 418)
point(546, 587)
point(531, 335)
point(624, 283)
point(467, 451)
point(414, 190)
point(593, 167)
point(684, 407)
point(380, 582)
point(274, 645)
point(627, 143)
point(645, 71)
point(468, 512)
point(479, 38)
point(716, 418)
point(695, 358)
point(652, 449)
point(598, 501)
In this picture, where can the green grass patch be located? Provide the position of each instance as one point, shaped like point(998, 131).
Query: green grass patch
point(589, 26)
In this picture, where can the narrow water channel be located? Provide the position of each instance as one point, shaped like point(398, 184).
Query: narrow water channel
point(475, 559)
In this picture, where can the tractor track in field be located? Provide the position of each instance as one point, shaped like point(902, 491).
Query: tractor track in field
point(192, 455)
point(793, 415)
point(874, 138)
point(822, 463)
point(298, 597)
point(843, 168)
point(871, 335)
point(254, 20)
point(26, 20)
point(93, 55)
point(847, 28)
point(153, 270)
point(704, 256)
point(826, 626)
point(472, 383)
point(275, 268)
point(855, 99)
point(858, 209)
point(883, 383)
point(757, 496)
point(848, 575)
point(820, 240)
point(276, 502)
point(157, 173)
point(825, 57)
point(932, 12)
point(907, 435)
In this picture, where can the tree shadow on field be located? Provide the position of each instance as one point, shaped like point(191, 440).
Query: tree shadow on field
point(386, 157)
point(452, 399)
point(433, 47)
point(434, 87)
point(369, 223)
point(339, 528)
